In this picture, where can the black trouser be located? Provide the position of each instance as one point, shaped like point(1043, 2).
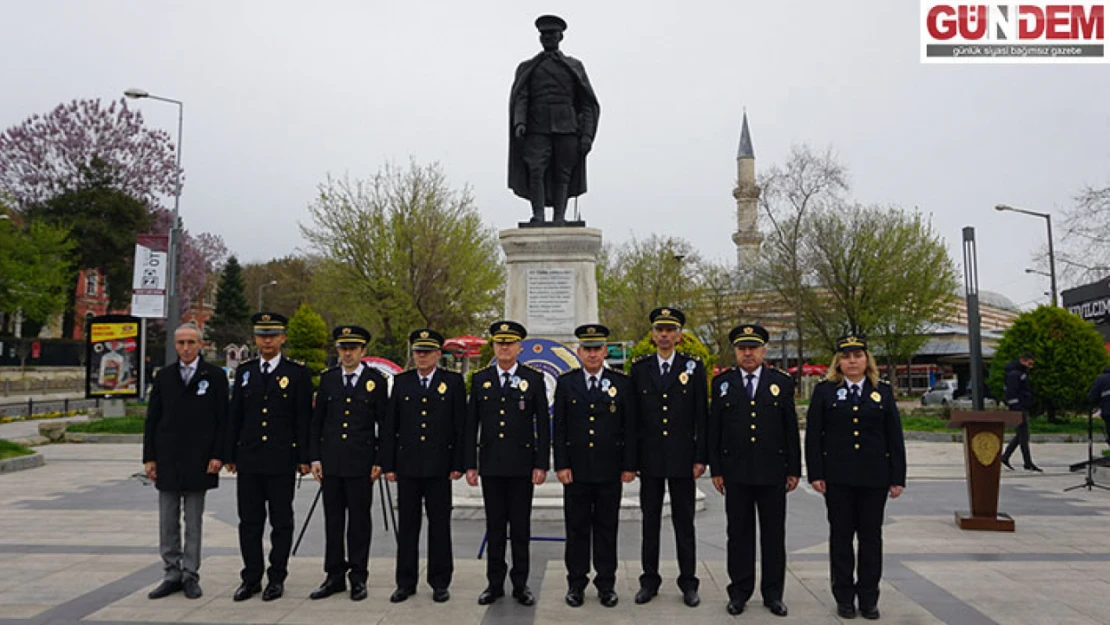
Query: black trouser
point(741, 503)
point(682, 518)
point(508, 502)
point(435, 494)
point(1021, 437)
point(591, 510)
point(855, 512)
point(347, 502)
point(257, 493)
point(557, 153)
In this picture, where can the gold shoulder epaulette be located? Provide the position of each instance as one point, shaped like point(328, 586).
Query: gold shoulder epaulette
point(642, 358)
point(618, 372)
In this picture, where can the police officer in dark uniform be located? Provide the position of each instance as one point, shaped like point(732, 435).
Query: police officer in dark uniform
point(350, 406)
point(755, 456)
point(422, 452)
point(669, 399)
point(856, 458)
point(507, 441)
point(1019, 397)
point(271, 407)
point(1099, 396)
point(595, 450)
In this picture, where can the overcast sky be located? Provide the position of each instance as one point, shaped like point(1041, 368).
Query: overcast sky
point(280, 94)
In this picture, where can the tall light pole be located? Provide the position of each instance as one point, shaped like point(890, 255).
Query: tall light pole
point(1051, 254)
point(262, 286)
point(173, 312)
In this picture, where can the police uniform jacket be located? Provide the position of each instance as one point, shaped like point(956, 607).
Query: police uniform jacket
point(754, 441)
point(1099, 395)
point(855, 445)
point(671, 414)
point(185, 426)
point(1019, 392)
point(270, 417)
point(345, 422)
point(507, 431)
point(594, 433)
point(422, 433)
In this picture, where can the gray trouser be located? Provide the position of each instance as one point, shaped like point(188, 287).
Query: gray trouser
point(180, 564)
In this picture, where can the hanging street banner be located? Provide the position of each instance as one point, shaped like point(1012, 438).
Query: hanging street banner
point(112, 356)
point(148, 285)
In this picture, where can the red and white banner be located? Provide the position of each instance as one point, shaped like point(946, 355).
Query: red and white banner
point(1026, 32)
point(148, 285)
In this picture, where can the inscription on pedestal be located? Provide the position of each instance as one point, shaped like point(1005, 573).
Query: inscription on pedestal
point(550, 301)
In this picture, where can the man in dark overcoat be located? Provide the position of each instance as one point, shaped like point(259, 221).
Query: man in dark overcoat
point(183, 450)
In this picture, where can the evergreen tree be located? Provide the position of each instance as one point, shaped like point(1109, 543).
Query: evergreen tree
point(231, 321)
point(308, 340)
point(1068, 352)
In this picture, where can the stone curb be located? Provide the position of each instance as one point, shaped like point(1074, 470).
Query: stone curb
point(958, 437)
point(20, 463)
point(80, 437)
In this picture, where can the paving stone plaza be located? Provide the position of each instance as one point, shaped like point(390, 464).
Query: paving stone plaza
point(78, 539)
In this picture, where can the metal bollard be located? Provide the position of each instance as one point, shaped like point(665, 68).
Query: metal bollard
point(65, 405)
point(30, 407)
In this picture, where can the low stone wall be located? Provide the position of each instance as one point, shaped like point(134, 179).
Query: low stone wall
point(19, 463)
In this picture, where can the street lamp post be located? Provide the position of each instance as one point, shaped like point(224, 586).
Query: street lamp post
point(262, 286)
point(1051, 253)
point(173, 312)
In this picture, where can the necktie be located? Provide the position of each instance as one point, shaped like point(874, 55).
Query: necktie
point(751, 386)
point(666, 368)
point(186, 374)
point(350, 380)
point(505, 377)
point(855, 393)
point(265, 368)
point(593, 383)
point(424, 383)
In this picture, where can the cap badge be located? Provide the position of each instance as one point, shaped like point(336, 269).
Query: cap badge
point(666, 312)
point(265, 317)
point(346, 331)
point(748, 330)
point(504, 327)
point(424, 334)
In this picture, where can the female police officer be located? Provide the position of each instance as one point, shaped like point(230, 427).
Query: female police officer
point(856, 457)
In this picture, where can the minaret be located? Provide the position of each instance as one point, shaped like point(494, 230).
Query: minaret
point(747, 237)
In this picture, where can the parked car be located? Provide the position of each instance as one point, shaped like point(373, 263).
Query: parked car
point(942, 393)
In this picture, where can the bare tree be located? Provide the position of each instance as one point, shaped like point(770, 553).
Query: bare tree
point(805, 185)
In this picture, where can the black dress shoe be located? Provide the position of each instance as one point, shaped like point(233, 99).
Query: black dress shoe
point(246, 591)
point(690, 597)
point(358, 591)
point(273, 591)
point(401, 594)
point(608, 598)
point(870, 613)
point(490, 595)
point(777, 607)
point(440, 595)
point(328, 588)
point(1033, 467)
point(524, 596)
point(164, 589)
point(192, 589)
point(735, 607)
point(575, 599)
point(645, 594)
point(1006, 463)
point(845, 610)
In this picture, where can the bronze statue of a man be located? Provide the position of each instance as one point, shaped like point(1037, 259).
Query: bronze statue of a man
point(553, 115)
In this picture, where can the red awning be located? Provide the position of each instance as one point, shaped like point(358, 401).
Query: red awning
point(466, 345)
point(808, 369)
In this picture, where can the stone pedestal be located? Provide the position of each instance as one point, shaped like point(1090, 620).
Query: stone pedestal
point(551, 285)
